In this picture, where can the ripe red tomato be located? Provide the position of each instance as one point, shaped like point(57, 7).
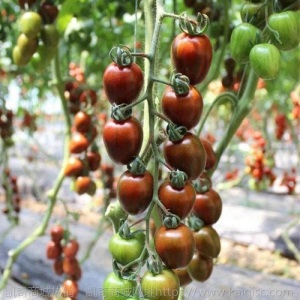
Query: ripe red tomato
point(70, 288)
point(135, 192)
point(211, 158)
point(192, 55)
point(122, 84)
point(57, 233)
point(183, 110)
point(53, 250)
point(84, 184)
point(176, 246)
point(48, 11)
point(183, 276)
point(58, 266)
point(178, 201)
point(71, 248)
point(200, 267)
point(187, 155)
point(123, 140)
point(208, 242)
point(82, 122)
point(70, 265)
point(88, 96)
point(78, 143)
point(94, 159)
point(74, 167)
point(208, 207)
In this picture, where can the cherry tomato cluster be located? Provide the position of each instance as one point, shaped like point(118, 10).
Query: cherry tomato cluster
point(63, 251)
point(76, 72)
point(6, 126)
point(247, 42)
point(39, 37)
point(289, 180)
point(281, 125)
point(12, 185)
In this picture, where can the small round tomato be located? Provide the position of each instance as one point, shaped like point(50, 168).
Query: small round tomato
point(88, 96)
point(70, 265)
point(126, 250)
point(18, 57)
point(254, 13)
point(122, 84)
point(211, 158)
point(70, 288)
point(82, 122)
point(177, 201)
point(71, 248)
point(123, 140)
point(117, 288)
point(50, 35)
point(48, 11)
point(74, 167)
point(208, 242)
point(163, 286)
point(58, 266)
point(84, 184)
point(53, 250)
point(208, 207)
point(27, 46)
point(183, 110)
point(135, 191)
point(175, 246)
point(187, 155)
point(78, 143)
point(57, 233)
point(242, 39)
point(94, 159)
point(183, 276)
point(200, 267)
point(284, 26)
point(30, 24)
point(265, 60)
point(192, 55)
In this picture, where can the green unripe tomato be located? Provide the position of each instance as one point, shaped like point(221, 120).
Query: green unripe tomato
point(50, 35)
point(284, 30)
point(243, 38)
point(37, 63)
point(265, 60)
point(117, 288)
point(253, 13)
point(27, 46)
point(18, 57)
point(30, 24)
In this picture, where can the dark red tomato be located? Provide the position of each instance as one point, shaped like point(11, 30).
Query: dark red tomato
point(122, 84)
point(83, 184)
point(184, 276)
point(187, 155)
point(183, 110)
point(208, 207)
point(135, 192)
point(49, 12)
point(211, 158)
point(53, 250)
point(74, 167)
point(70, 288)
point(88, 96)
point(191, 56)
point(123, 140)
point(78, 143)
point(176, 246)
point(82, 122)
point(77, 273)
point(57, 233)
point(200, 267)
point(70, 265)
point(178, 201)
point(71, 248)
point(58, 266)
point(94, 159)
point(208, 242)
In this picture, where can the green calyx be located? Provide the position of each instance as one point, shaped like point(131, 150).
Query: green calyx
point(120, 112)
point(194, 27)
point(175, 132)
point(202, 184)
point(195, 223)
point(180, 84)
point(155, 266)
point(121, 55)
point(171, 221)
point(137, 167)
point(178, 179)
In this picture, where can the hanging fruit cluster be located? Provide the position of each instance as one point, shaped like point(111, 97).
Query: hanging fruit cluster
point(39, 37)
point(185, 243)
point(63, 250)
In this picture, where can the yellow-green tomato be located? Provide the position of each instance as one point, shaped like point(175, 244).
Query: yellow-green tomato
point(117, 288)
point(284, 30)
point(27, 46)
point(265, 60)
point(164, 286)
point(30, 24)
point(126, 250)
point(18, 57)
